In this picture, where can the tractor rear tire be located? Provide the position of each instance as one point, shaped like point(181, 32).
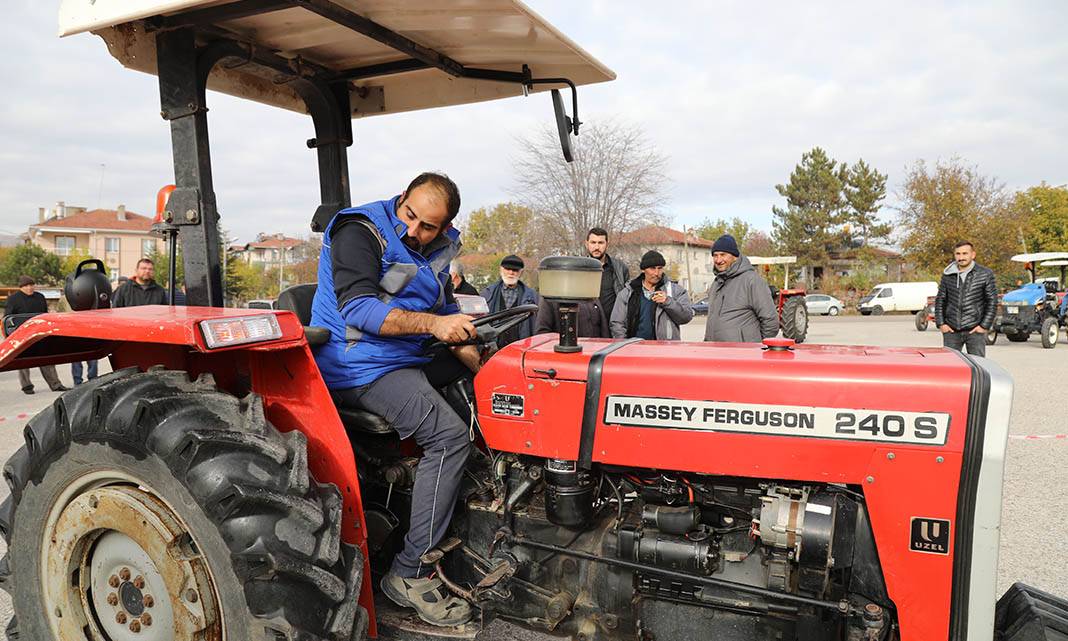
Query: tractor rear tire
point(921, 321)
point(1017, 337)
point(167, 504)
point(1050, 331)
point(794, 319)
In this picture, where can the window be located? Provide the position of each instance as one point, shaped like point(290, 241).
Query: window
point(148, 246)
point(886, 293)
point(111, 245)
point(64, 245)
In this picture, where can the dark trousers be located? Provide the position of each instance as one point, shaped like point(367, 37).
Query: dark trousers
point(49, 374)
point(974, 341)
point(76, 371)
point(409, 401)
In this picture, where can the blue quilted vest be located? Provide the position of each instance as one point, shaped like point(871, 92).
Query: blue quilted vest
point(407, 280)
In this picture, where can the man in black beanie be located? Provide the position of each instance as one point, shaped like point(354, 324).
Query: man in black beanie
point(740, 308)
point(651, 306)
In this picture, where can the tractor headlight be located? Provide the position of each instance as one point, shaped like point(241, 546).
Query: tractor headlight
point(569, 278)
point(225, 332)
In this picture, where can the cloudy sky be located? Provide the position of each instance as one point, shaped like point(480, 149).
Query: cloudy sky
point(732, 92)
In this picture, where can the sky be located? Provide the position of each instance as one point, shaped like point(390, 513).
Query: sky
point(732, 93)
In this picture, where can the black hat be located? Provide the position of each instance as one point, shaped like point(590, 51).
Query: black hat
point(726, 243)
point(512, 261)
point(652, 258)
point(26, 280)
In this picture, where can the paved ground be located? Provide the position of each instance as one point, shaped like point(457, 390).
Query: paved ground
point(1034, 547)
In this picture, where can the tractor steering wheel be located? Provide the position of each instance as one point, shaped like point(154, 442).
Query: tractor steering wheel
point(490, 326)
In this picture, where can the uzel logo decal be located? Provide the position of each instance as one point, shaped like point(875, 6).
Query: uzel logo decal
point(924, 428)
point(929, 535)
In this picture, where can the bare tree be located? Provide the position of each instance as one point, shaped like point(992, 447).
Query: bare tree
point(616, 181)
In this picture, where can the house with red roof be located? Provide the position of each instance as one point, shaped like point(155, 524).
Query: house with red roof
point(117, 236)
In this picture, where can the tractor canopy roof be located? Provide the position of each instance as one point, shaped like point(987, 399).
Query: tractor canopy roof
point(1034, 258)
point(395, 55)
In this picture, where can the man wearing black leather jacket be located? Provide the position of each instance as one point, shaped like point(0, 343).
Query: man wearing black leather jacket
point(966, 303)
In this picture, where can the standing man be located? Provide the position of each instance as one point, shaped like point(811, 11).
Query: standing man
point(142, 289)
point(509, 292)
point(615, 274)
point(740, 308)
point(653, 306)
point(592, 321)
point(967, 302)
point(28, 301)
point(459, 283)
point(384, 289)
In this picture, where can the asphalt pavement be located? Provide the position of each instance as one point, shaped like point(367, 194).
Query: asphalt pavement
point(1034, 548)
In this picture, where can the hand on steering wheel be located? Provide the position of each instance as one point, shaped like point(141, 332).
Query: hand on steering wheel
point(488, 327)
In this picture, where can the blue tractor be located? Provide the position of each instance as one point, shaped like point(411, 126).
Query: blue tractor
point(1036, 307)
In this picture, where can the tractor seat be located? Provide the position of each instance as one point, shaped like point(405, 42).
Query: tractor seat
point(363, 422)
point(298, 299)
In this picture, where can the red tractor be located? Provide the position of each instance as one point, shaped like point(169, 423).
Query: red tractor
point(793, 314)
point(208, 488)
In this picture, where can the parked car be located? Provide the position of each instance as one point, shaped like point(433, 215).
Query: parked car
point(897, 297)
point(823, 304)
point(701, 306)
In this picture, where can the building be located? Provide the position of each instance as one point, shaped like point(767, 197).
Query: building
point(688, 257)
point(270, 250)
point(882, 263)
point(118, 237)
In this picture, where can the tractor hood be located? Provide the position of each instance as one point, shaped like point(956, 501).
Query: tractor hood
point(671, 404)
point(1031, 294)
point(395, 56)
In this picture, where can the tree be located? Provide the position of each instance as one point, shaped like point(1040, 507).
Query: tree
point(31, 260)
point(951, 202)
point(864, 188)
point(616, 182)
point(70, 263)
point(758, 244)
point(810, 225)
point(713, 229)
point(1046, 210)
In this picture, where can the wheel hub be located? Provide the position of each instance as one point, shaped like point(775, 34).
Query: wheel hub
point(122, 567)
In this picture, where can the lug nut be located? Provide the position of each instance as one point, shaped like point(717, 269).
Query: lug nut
point(191, 596)
point(113, 581)
point(120, 618)
point(146, 619)
point(113, 599)
point(124, 574)
point(148, 601)
point(139, 582)
point(135, 626)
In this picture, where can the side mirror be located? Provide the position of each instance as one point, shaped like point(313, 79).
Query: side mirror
point(565, 126)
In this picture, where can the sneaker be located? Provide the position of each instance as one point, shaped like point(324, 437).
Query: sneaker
point(61, 388)
point(429, 598)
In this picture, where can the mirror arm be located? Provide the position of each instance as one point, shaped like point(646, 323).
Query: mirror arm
point(575, 122)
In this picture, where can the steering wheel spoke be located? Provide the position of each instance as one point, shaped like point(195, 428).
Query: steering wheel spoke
point(491, 326)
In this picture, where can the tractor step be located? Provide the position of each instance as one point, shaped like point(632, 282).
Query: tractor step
point(1027, 614)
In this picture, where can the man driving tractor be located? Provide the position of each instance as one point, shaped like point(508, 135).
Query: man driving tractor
point(383, 288)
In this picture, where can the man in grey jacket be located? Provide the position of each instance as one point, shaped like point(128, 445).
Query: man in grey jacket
point(651, 306)
point(740, 308)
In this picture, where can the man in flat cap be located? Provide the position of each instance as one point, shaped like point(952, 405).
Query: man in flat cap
point(28, 302)
point(652, 306)
point(510, 292)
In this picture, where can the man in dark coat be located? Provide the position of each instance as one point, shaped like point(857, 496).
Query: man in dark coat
point(459, 283)
point(614, 273)
point(142, 289)
point(28, 301)
point(592, 320)
point(511, 292)
point(967, 302)
point(740, 308)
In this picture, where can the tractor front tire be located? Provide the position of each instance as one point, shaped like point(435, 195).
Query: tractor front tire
point(991, 337)
point(144, 503)
point(921, 321)
point(1050, 330)
point(794, 319)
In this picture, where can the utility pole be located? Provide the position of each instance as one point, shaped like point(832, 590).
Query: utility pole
point(281, 262)
point(686, 248)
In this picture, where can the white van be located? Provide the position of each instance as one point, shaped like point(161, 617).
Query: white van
point(897, 297)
